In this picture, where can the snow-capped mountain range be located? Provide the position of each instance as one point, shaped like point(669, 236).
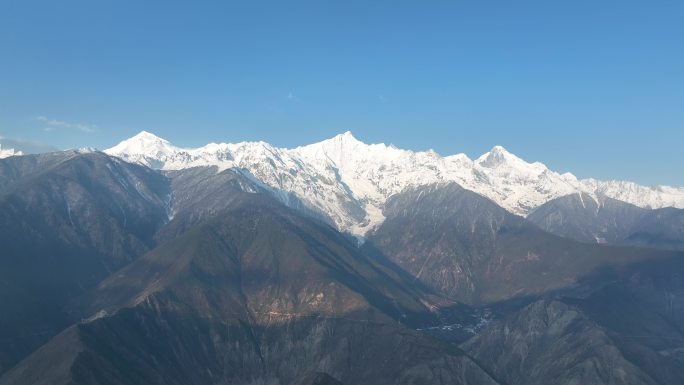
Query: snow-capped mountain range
point(349, 181)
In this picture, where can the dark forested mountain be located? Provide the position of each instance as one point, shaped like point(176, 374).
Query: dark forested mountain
point(464, 245)
point(661, 228)
point(606, 220)
point(622, 326)
point(550, 342)
point(67, 220)
point(643, 303)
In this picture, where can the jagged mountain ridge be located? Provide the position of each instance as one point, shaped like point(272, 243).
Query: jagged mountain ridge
point(607, 220)
point(350, 181)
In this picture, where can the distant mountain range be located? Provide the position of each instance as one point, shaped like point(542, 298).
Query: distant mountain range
point(333, 263)
point(349, 181)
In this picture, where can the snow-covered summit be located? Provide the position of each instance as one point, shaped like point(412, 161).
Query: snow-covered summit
point(349, 181)
point(6, 153)
point(145, 148)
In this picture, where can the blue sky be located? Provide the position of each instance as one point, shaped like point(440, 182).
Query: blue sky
point(591, 87)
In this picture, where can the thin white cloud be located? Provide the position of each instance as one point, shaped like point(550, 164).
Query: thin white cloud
point(51, 124)
point(291, 96)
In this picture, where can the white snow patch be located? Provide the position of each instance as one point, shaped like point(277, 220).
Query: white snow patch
point(6, 153)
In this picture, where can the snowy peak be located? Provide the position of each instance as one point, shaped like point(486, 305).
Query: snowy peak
point(497, 156)
point(349, 181)
point(147, 136)
point(6, 153)
point(346, 138)
point(144, 137)
point(337, 149)
point(146, 148)
point(144, 143)
point(343, 142)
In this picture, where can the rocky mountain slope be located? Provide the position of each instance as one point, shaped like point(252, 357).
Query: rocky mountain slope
point(607, 220)
point(620, 326)
point(67, 221)
point(256, 295)
point(550, 342)
point(466, 246)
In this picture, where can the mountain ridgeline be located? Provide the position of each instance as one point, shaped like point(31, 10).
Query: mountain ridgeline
point(349, 181)
point(610, 221)
point(334, 263)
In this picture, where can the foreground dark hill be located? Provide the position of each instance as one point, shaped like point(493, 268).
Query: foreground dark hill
point(619, 326)
point(550, 342)
point(643, 303)
point(580, 217)
point(257, 295)
point(467, 247)
point(67, 220)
